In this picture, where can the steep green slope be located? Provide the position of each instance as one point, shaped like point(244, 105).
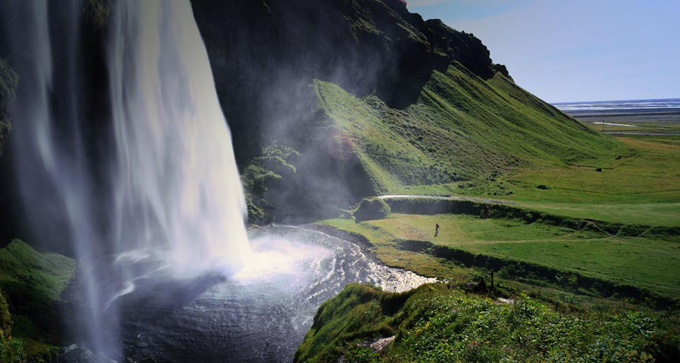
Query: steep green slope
point(462, 127)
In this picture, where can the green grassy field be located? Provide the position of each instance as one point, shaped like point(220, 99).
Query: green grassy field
point(647, 174)
point(656, 122)
point(641, 187)
point(646, 263)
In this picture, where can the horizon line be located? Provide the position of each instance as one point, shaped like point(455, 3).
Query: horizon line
point(628, 100)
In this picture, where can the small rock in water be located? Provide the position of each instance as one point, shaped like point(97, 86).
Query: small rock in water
point(75, 354)
point(506, 301)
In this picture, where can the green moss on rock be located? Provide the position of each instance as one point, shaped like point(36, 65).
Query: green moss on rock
point(33, 283)
point(97, 12)
point(8, 82)
point(372, 208)
point(265, 178)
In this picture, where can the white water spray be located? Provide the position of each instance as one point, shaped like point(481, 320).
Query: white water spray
point(171, 185)
point(177, 181)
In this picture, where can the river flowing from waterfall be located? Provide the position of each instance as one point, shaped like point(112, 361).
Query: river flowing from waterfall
point(260, 314)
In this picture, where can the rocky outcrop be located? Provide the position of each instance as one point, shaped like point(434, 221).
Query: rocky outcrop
point(372, 208)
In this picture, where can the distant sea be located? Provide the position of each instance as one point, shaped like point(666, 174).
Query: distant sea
point(669, 104)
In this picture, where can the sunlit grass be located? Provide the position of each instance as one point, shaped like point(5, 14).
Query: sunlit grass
point(642, 262)
point(640, 187)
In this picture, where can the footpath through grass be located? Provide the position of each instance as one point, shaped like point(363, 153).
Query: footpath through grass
point(650, 264)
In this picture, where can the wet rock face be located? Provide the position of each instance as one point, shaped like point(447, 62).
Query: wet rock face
point(8, 82)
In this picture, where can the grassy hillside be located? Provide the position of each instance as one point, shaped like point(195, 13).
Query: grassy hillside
point(489, 138)
point(462, 127)
point(440, 323)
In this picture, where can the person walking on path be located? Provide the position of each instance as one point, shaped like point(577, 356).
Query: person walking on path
point(436, 229)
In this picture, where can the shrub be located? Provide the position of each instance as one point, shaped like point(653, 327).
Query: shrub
point(372, 208)
point(10, 350)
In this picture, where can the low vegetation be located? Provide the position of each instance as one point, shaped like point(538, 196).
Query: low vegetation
point(637, 186)
point(11, 350)
point(265, 180)
point(593, 242)
point(442, 323)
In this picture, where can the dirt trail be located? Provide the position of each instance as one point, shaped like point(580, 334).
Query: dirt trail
point(471, 199)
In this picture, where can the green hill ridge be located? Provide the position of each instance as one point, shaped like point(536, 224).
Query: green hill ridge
point(461, 128)
point(374, 99)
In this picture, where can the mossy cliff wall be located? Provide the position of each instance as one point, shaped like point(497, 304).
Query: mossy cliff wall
point(373, 98)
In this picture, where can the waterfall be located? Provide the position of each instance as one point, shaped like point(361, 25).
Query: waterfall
point(176, 176)
point(161, 184)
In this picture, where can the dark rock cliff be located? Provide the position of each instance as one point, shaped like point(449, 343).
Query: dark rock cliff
point(8, 82)
point(89, 84)
point(266, 54)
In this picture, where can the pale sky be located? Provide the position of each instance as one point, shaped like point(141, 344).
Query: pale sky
point(575, 50)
